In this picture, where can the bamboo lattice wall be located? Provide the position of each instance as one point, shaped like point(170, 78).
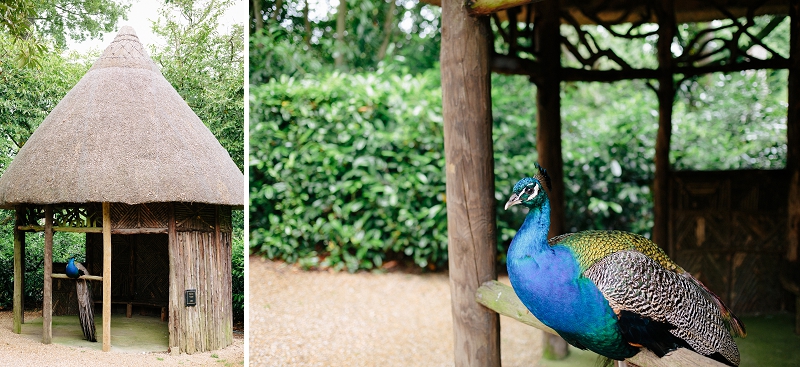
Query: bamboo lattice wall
point(728, 228)
point(201, 259)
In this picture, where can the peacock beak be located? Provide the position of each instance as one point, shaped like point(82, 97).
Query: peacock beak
point(513, 200)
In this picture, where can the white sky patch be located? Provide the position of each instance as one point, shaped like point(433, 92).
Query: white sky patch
point(318, 10)
point(407, 24)
point(141, 16)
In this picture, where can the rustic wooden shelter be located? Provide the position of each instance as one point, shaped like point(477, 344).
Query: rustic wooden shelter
point(690, 209)
point(125, 160)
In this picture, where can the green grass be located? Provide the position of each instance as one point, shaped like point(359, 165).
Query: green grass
point(770, 341)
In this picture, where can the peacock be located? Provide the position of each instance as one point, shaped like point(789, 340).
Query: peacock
point(612, 292)
point(85, 302)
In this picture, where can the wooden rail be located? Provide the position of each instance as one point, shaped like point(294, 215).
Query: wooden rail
point(87, 277)
point(501, 298)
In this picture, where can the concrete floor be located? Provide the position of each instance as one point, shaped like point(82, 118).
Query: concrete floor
point(128, 335)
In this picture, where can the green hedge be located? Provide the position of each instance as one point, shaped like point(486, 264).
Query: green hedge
point(346, 171)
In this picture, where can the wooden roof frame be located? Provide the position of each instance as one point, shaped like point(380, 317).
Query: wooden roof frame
point(467, 61)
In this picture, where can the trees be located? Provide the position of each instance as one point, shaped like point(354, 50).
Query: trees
point(32, 25)
point(206, 66)
point(302, 40)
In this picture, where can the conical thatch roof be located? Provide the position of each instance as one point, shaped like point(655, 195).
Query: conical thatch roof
point(122, 134)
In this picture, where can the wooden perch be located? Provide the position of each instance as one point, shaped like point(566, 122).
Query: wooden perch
point(501, 298)
point(486, 7)
point(87, 277)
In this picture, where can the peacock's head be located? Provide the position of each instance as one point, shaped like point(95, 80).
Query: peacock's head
point(529, 191)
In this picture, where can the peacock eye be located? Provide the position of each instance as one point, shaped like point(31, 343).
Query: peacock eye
point(531, 191)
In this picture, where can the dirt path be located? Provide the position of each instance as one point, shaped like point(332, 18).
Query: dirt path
point(316, 318)
point(19, 350)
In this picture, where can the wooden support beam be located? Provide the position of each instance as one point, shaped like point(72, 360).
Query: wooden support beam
point(19, 274)
point(793, 138)
point(666, 97)
point(86, 277)
point(472, 241)
point(37, 228)
point(47, 296)
point(106, 276)
point(486, 7)
point(514, 65)
point(548, 131)
point(501, 298)
point(174, 293)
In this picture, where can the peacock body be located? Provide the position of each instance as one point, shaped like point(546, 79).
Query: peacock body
point(612, 292)
point(85, 302)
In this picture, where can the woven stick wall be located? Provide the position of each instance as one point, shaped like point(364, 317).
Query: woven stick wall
point(198, 263)
point(728, 228)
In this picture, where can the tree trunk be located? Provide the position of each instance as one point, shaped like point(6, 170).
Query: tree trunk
point(388, 22)
point(341, 17)
point(471, 232)
point(306, 25)
point(278, 6)
point(258, 18)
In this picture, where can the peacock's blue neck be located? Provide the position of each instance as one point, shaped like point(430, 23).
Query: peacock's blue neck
point(532, 235)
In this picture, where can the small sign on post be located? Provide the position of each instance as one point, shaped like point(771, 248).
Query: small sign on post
point(191, 297)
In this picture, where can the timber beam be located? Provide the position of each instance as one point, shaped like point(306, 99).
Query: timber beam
point(486, 7)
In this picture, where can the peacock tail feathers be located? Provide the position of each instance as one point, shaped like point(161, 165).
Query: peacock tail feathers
point(732, 323)
point(632, 281)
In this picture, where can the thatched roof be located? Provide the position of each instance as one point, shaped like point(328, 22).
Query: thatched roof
point(122, 134)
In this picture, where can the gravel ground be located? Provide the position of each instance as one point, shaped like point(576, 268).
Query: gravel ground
point(19, 350)
point(316, 318)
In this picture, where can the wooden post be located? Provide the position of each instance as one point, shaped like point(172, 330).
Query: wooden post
point(106, 276)
point(47, 296)
point(548, 132)
point(174, 291)
point(472, 243)
point(793, 136)
point(19, 272)
point(666, 97)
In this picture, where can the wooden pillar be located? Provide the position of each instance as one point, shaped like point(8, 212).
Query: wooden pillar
point(106, 276)
point(793, 135)
point(472, 243)
point(174, 289)
point(666, 97)
point(47, 296)
point(548, 132)
point(19, 272)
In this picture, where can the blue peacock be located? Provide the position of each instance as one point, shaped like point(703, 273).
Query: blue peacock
point(612, 292)
point(85, 302)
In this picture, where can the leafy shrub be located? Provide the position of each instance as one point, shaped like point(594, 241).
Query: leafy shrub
point(237, 265)
point(346, 170)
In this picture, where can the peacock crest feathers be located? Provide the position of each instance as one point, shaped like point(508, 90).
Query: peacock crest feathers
point(541, 175)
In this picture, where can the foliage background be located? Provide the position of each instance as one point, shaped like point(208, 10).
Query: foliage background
point(202, 62)
point(346, 165)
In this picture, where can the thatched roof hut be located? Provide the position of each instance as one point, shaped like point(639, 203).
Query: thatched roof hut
point(124, 135)
point(125, 160)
